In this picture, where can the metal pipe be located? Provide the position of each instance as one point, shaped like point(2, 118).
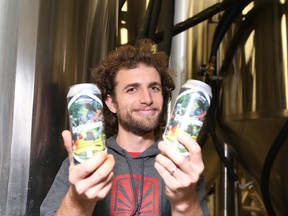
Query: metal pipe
point(226, 190)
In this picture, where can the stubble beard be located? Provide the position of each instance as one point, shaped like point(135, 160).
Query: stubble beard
point(139, 126)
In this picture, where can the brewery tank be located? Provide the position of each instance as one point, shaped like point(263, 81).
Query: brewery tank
point(250, 82)
point(253, 101)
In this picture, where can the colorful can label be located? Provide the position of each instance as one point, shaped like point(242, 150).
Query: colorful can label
point(189, 113)
point(86, 120)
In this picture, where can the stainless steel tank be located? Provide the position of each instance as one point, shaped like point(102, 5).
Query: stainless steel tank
point(253, 106)
point(45, 46)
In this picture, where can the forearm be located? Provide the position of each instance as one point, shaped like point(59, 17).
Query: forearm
point(188, 208)
point(73, 207)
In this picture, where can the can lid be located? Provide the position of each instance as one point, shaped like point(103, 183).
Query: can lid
point(191, 83)
point(74, 89)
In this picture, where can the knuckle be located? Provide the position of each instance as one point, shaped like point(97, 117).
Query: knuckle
point(101, 174)
point(79, 189)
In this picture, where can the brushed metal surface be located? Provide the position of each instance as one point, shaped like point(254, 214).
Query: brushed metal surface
point(254, 104)
point(45, 46)
point(18, 42)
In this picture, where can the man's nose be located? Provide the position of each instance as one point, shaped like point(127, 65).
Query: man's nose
point(145, 96)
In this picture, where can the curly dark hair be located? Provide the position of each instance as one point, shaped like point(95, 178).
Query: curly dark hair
point(128, 56)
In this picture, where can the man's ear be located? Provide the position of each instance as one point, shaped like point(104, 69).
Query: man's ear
point(110, 104)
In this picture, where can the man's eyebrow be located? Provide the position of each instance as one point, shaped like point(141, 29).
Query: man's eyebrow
point(155, 84)
point(139, 84)
point(131, 85)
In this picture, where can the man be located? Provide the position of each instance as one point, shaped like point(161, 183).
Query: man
point(137, 175)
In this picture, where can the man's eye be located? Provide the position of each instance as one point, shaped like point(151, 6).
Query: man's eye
point(131, 90)
point(155, 88)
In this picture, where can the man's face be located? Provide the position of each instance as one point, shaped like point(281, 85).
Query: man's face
point(139, 99)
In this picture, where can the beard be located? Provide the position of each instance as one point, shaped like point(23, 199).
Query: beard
point(139, 125)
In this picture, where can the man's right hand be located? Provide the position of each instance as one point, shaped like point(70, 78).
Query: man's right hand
point(90, 181)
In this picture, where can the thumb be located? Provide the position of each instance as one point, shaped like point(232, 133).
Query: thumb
point(67, 138)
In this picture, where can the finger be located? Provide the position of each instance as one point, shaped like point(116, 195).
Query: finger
point(172, 153)
point(101, 190)
point(171, 171)
point(192, 146)
point(168, 150)
point(195, 165)
point(166, 163)
point(168, 179)
point(177, 158)
point(98, 176)
point(105, 169)
point(163, 172)
point(192, 168)
point(89, 166)
point(67, 138)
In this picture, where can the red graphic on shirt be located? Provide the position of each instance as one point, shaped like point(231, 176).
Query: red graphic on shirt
point(122, 198)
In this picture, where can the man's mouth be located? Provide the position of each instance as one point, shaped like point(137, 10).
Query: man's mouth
point(146, 111)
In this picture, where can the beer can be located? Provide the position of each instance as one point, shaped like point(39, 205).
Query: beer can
point(189, 113)
point(86, 120)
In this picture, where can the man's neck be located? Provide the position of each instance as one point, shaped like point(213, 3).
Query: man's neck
point(134, 143)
